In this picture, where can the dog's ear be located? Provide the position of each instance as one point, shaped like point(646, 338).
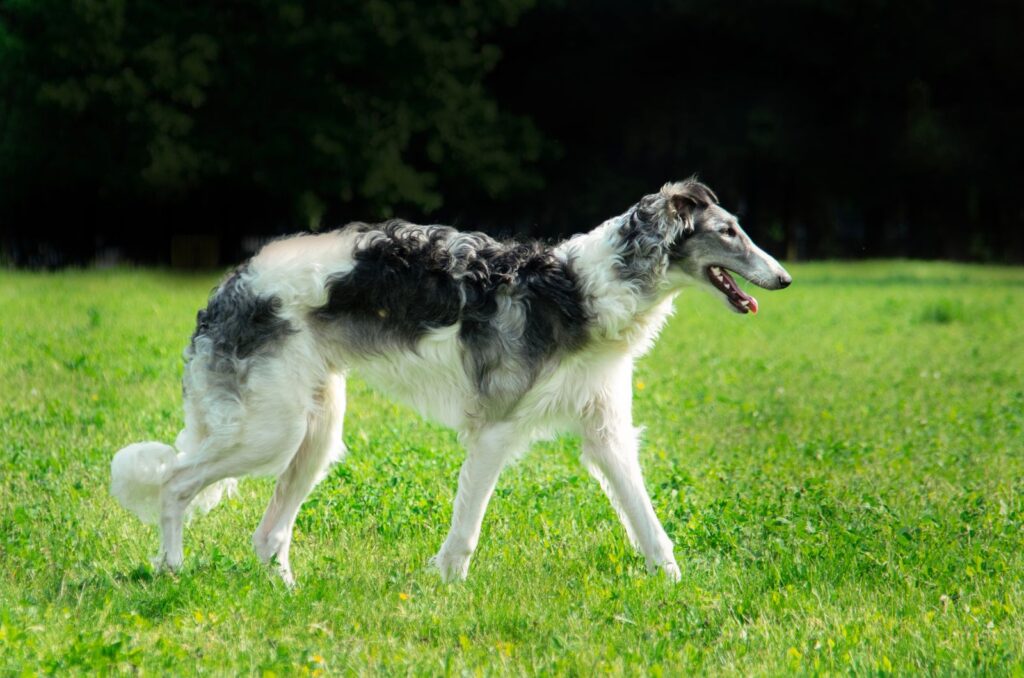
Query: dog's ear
point(683, 197)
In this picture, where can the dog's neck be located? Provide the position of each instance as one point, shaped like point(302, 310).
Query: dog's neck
point(624, 282)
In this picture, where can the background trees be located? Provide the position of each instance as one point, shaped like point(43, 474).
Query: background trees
point(145, 118)
point(837, 127)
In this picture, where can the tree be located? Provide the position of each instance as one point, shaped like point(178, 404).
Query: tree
point(298, 107)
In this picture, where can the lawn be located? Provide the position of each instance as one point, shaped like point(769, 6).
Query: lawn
point(842, 476)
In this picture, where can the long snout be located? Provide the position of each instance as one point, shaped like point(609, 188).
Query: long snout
point(766, 272)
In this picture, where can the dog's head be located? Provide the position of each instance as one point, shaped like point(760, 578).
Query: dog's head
point(707, 245)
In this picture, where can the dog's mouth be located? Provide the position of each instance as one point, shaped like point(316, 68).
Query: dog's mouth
point(740, 300)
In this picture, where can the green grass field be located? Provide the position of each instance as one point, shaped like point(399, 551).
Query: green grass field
point(842, 476)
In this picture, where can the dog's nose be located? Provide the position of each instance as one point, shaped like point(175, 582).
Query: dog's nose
point(785, 280)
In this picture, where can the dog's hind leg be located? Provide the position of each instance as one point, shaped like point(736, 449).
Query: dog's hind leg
point(183, 482)
point(487, 452)
point(227, 436)
point(321, 447)
point(610, 450)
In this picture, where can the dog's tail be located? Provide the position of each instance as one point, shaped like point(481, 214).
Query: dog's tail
point(137, 475)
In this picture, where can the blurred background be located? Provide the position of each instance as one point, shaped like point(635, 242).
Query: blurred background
point(188, 133)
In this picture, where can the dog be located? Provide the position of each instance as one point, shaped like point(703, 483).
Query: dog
point(505, 342)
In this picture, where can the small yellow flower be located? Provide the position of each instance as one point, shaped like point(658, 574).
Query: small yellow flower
point(403, 596)
point(639, 385)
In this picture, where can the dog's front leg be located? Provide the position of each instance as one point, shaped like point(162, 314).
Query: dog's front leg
point(487, 452)
point(610, 452)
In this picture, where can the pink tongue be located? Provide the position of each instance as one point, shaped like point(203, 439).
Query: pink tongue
point(753, 304)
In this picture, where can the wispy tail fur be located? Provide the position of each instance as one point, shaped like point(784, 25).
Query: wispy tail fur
point(137, 475)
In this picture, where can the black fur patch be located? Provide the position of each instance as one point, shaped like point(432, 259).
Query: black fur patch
point(399, 289)
point(656, 229)
point(555, 318)
point(411, 279)
point(645, 246)
point(238, 323)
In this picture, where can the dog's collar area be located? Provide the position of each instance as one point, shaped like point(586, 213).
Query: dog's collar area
point(722, 281)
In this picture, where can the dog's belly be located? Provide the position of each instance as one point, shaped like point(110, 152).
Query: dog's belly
point(430, 379)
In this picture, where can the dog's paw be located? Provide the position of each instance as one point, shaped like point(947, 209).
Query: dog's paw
point(451, 567)
point(287, 578)
point(162, 564)
point(668, 568)
point(671, 572)
point(283, 570)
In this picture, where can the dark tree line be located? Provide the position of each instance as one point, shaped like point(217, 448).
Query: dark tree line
point(835, 127)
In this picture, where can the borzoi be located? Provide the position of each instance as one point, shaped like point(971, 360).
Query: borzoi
point(505, 342)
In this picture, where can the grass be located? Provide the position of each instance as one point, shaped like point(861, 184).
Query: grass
point(842, 476)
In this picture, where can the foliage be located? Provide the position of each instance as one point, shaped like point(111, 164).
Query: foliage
point(311, 104)
point(838, 127)
point(841, 475)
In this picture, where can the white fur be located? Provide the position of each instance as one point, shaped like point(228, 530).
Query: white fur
point(138, 472)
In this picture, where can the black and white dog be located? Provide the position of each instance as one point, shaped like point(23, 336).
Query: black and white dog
point(505, 342)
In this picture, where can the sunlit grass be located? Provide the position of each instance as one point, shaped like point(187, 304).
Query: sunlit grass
point(841, 475)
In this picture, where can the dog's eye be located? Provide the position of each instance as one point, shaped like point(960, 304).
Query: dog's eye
point(731, 232)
